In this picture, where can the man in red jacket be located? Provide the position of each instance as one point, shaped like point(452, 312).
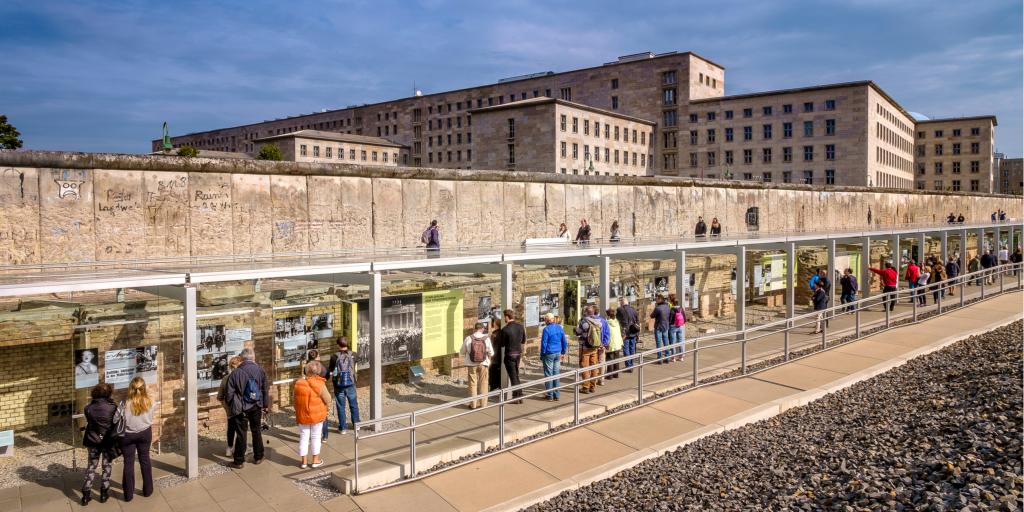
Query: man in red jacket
point(912, 275)
point(889, 280)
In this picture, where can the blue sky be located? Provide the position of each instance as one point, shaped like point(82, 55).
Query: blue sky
point(103, 75)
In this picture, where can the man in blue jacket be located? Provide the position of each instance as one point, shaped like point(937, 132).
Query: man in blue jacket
point(553, 346)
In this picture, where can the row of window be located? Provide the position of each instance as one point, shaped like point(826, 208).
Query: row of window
point(610, 155)
point(456, 158)
point(441, 139)
point(956, 133)
point(329, 152)
point(766, 155)
point(806, 177)
point(766, 111)
point(441, 122)
point(708, 81)
point(886, 180)
point(890, 136)
point(893, 119)
point(767, 133)
point(954, 185)
point(890, 159)
point(588, 172)
point(939, 149)
point(610, 131)
point(938, 167)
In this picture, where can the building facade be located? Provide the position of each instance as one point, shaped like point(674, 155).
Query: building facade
point(1010, 179)
point(840, 134)
point(956, 154)
point(338, 148)
point(551, 135)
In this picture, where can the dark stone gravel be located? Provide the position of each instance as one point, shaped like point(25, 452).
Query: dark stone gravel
point(942, 432)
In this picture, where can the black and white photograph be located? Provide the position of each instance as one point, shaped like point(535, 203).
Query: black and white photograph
point(615, 290)
point(146, 363)
point(401, 329)
point(291, 329)
point(487, 310)
point(323, 326)
point(291, 356)
point(548, 302)
point(87, 370)
point(649, 289)
point(592, 293)
point(210, 339)
point(660, 285)
point(212, 369)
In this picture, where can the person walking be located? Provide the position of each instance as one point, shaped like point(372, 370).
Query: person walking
point(988, 261)
point(583, 233)
point(662, 316)
point(233, 363)
point(614, 344)
point(615, 232)
point(974, 265)
point(312, 402)
point(700, 229)
point(629, 324)
point(848, 289)
point(588, 332)
point(553, 347)
point(820, 300)
point(248, 392)
point(100, 440)
point(937, 278)
point(513, 336)
point(952, 273)
point(677, 332)
point(431, 237)
point(343, 371)
point(477, 352)
point(913, 272)
point(890, 279)
point(716, 228)
point(1004, 255)
point(922, 283)
point(138, 437)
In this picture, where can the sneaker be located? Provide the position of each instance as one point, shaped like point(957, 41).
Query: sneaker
point(317, 464)
point(229, 451)
point(344, 432)
point(303, 466)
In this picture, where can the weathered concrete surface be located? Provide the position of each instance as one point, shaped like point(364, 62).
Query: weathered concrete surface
point(86, 207)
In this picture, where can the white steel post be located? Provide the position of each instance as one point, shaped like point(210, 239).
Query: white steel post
point(681, 281)
point(865, 262)
point(376, 352)
point(741, 290)
point(830, 250)
point(944, 247)
point(191, 383)
point(922, 247)
point(506, 286)
point(604, 287)
point(895, 246)
point(790, 279)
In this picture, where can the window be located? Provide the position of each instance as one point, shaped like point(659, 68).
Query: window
point(956, 148)
point(830, 105)
point(809, 106)
point(728, 114)
point(787, 176)
point(693, 118)
point(362, 155)
point(615, 83)
point(562, 149)
point(575, 151)
point(787, 130)
point(920, 135)
point(562, 122)
point(766, 131)
point(711, 158)
point(302, 150)
point(975, 148)
point(352, 154)
point(920, 150)
point(830, 176)
point(808, 153)
point(808, 128)
point(615, 102)
point(607, 130)
point(937, 185)
point(728, 134)
point(830, 127)
point(511, 128)
point(693, 159)
point(787, 108)
point(693, 137)
point(975, 131)
point(328, 152)
point(919, 185)
point(938, 167)
point(748, 156)
point(728, 157)
point(749, 176)
point(511, 154)
point(634, 136)
point(766, 155)
point(787, 154)
point(956, 167)
point(668, 96)
point(975, 166)
point(767, 111)
point(616, 133)
point(938, 150)
point(956, 185)
point(975, 186)
point(808, 177)
point(586, 127)
point(938, 133)
point(607, 152)
point(748, 112)
point(565, 93)
point(341, 152)
point(830, 151)
point(575, 125)
point(748, 132)
point(956, 132)
point(669, 117)
point(766, 177)
point(668, 77)
point(711, 135)
point(597, 154)
point(711, 116)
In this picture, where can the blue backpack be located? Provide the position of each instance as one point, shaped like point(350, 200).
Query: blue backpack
point(253, 393)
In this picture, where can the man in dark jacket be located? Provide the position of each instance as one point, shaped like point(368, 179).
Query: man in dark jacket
point(820, 304)
point(629, 323)
point(848, 284)
point(248, 395)
point(98, 439)
point(583, 234)
point(513, 335)
point(952, 272)
point(701, 229)
point(662, 316)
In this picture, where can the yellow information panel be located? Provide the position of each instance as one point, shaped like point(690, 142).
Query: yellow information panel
point(442, 323)
point(349, 322)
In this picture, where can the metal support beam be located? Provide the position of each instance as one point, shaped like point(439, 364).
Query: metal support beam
point(980, 241)
point(604, 274)
point(922, 246)
point(944, 247)
point(865, 262)
point(894, 245)
point(963, 251)
point(376, 360)
point(790, 280)
point(830, 255)
point(190, 302)
point(506, 286)
point(681, 281)
point(741, 289)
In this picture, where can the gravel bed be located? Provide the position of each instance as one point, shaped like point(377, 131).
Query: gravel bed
point(318, 487)
point(942, 432)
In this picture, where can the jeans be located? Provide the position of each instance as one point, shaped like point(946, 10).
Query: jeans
point(611, 370)
point(847, 298)
point(661, 340)
point(552, 363)
point(344, 394)
point(231, 429)
point(588, 357)
point(248, 421)
point(628, 349)
point(512, 369)
point(137, 443)
point(912, 285)
point(677, 336)
point(309, 436)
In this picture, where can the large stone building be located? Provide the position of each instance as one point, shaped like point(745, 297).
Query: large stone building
point(1011, 176)
point(956, 154)
point(840, 134)
point(335, 148)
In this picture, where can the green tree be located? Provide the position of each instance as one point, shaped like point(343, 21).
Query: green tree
point(188, 151)
point(270, 152)
point(10, 138)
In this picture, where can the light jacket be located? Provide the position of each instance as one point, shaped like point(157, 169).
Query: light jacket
point(311, 400)
point(615, 342)
point(553, 340)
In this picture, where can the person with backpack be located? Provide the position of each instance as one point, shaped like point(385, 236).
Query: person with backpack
point(602, 353)
point(477, 352)
point(614, 344)
point(233, 363)
point(589, 331)
point(100, 439)
point(662, 316)
point(553, 347)
point(431, 237)
point(138, 437)
point(248, 393)
point(513, 337)
point(629, 323)
point(342, 370)
point(952, 273)
point(848, 289)
point(312, 402)
point(820, 300)
point(677, 333)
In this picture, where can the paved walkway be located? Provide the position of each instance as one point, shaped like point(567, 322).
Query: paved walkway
point(542, 467)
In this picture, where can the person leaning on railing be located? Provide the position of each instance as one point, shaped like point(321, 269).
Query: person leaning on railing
point(890, 278)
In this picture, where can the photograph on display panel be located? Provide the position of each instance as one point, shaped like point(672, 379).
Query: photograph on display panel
point(401, 329)
point(212, 369)
point(87, 371)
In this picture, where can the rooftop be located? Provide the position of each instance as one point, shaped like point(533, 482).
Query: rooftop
point(841, 85)
point(545, 100)
point(965, 118)
point(332, 136)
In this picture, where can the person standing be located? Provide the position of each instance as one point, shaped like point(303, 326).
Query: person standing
point(960, 219)
point(312, 401)
point(314, 355)
point(138, 437)
point(563, 232)
point(343, 371)
point(553, 347)
point(700, 229)
point(952, 273)
point(614, 344)
point(988, 261)
point(974, 265)
point(513, 336)
point(583, 233)
point(938, 276)
point(629, 323)
point(716, 228)
point(494, 367)
point(615, 232)
point(233, 363)
point(820, 300)
point(890, 279)
point(662, 320)
point(602, 352)
point(477, 352)
point(677, 332)
point(848, 289)
point(248, 392)
point(922, 284)
point(1004, 255)
point(99, 440)
point(431, 237)
point(588, 331)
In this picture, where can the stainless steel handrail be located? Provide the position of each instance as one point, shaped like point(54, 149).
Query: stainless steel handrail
point(369, 429)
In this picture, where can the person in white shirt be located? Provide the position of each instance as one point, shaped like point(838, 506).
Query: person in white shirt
point(476, 352)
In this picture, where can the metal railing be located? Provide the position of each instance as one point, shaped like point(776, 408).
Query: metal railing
point(991, 282)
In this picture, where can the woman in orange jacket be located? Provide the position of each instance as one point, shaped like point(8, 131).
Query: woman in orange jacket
point(312, 401)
